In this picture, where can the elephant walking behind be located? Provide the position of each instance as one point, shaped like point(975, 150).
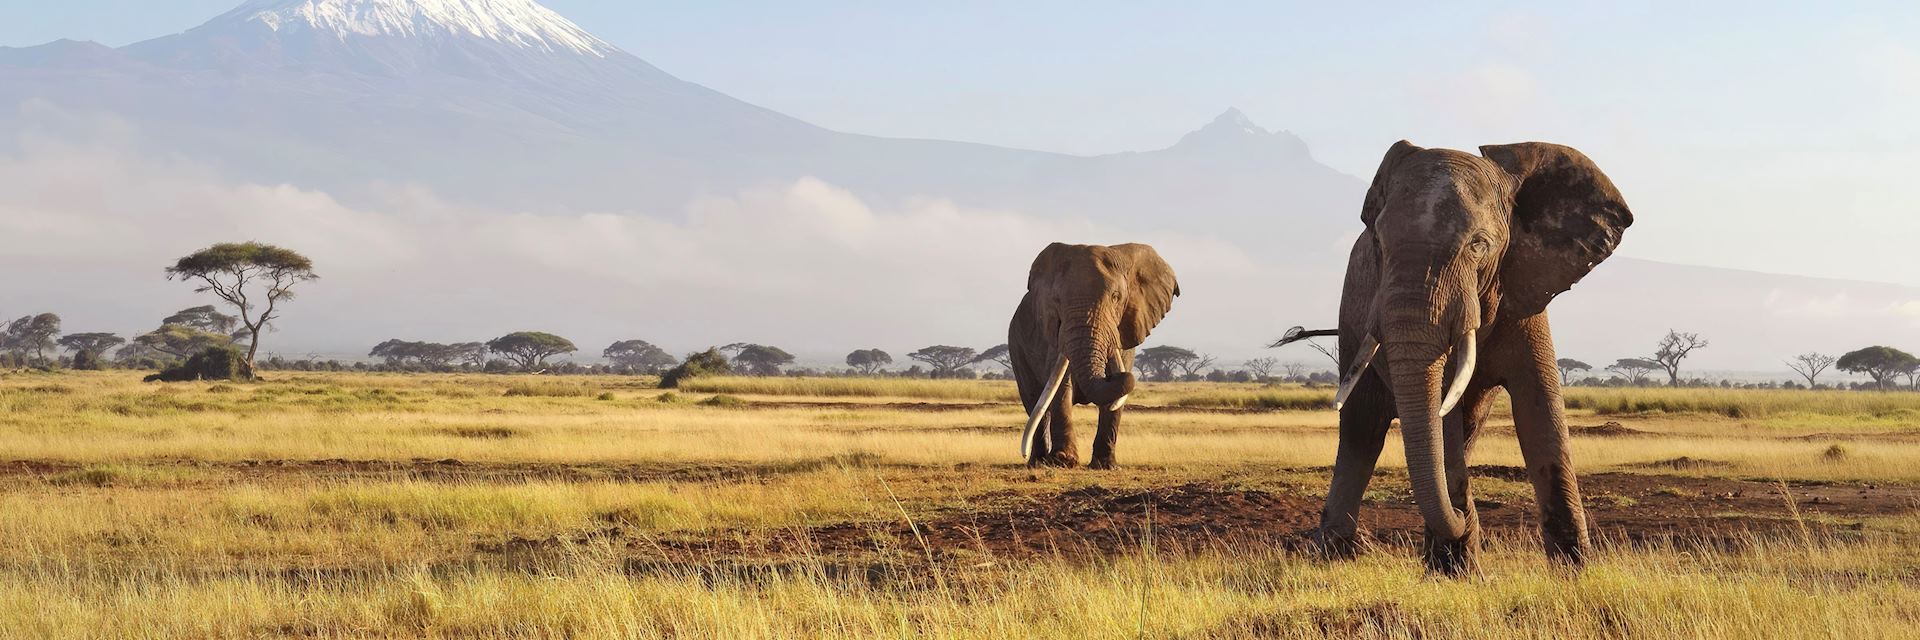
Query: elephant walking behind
point(1072, 339)
point(1444, 305)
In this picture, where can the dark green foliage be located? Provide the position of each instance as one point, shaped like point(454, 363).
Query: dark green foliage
point(530, 349)
point(180, 340)
point(205, 318)
point(1168, 362)
point(705, 363)
point(638, 356)
point(946, 361)
point(869, 361)
point(759, 359)
point(432, 356)
point(215, 363)
point(1880, 363)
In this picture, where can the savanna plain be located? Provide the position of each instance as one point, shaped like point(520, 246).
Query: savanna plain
point(455, 506)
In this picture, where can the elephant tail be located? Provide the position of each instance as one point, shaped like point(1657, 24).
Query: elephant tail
point(1297, 334)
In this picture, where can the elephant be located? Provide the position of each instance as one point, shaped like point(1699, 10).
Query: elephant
point(1087, 307)
point(1450, 281)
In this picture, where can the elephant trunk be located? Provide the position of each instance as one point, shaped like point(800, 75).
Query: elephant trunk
point(1419, 336)
point(1092, 339)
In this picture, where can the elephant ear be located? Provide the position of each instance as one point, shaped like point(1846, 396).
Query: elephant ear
point(1382, 180)
point(1567, 218)
point(1154, 288)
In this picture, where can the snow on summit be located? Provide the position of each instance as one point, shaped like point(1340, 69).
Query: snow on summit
point(522, 23)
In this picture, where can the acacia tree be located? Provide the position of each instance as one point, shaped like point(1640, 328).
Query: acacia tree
point(1635, 370)
point(205, 318)
point(996, 353)
point(1878, 362)
point(181, 341)
point(1809, 365)
point(868, 361)
point(90, 348)
point(945, 360)
point(472, 354)
point(760, 359)
point(1262, 368)
point(639, 355)
point(1674, 348)
point(530, 349)
point(1568, 366)
point(1160, 363)
point(1294, 370)
point(253, 277)
point(34, 334)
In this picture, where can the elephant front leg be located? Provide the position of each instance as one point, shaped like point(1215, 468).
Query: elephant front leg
point(1540, 421)
point(1363, 432)
point(1104, 439)
point(1062, 450)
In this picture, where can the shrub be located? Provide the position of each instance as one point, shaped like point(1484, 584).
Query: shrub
point(214, 363)
point(723, 401)
point(706, 363)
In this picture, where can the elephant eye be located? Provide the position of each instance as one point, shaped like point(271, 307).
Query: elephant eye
point(1479, 246)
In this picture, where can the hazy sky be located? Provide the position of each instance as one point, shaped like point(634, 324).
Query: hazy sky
point(1745, 137)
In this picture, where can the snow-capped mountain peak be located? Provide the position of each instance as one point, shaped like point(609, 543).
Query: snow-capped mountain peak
point(520, 23)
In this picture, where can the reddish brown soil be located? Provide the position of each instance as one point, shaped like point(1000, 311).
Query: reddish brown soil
point(1682, 511)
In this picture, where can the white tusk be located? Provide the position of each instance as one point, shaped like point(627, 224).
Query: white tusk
point(1462, 372)
point(1119, 403)
point(1368, 347)
point(1040, 407)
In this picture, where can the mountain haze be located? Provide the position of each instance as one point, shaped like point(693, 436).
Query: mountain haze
point(463, 168)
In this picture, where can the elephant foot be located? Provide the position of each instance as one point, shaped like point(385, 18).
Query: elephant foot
point(1570, 553)
point(1057, 459)
point(1453, 558)
point(1332, 545)
point(1101, 463)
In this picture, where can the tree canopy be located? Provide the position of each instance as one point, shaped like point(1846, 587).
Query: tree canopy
point(1162, 362)
point(1634, 369)
point(869, 361)
point(760, 359)
point(205, 318)
point(1570, 365)
point(639, 355)
point(33, 334)
point(997, 353)
point(530, 349)
point(250, 276)
point(945, 360)
point(1673, 348)
point(1878, 362)
point(181, 341)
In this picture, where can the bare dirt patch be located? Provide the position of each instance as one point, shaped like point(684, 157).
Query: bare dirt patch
point(1685, 512)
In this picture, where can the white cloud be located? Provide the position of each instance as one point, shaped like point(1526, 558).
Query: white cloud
point(804, 264)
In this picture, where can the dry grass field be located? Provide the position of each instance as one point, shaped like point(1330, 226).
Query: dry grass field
point(465, 506)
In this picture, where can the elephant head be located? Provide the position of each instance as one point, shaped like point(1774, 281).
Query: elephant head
point(1099, 301)
point(1463, 242)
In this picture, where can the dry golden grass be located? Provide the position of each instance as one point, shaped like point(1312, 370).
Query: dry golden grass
point(134, 512)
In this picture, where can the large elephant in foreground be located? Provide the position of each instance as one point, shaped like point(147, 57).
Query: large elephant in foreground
point(1087, 307)
point(1445, 304)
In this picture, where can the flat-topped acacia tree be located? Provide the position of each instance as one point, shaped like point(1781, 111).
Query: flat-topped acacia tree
point(530, 349)
point(253, 277)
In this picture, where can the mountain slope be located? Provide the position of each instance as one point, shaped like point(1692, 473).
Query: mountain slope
point(501, 107)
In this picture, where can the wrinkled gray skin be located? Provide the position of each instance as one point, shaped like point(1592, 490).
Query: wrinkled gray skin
point(1094, 304)
point(1461, 247)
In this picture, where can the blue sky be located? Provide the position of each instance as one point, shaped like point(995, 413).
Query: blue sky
point(1743, 133)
